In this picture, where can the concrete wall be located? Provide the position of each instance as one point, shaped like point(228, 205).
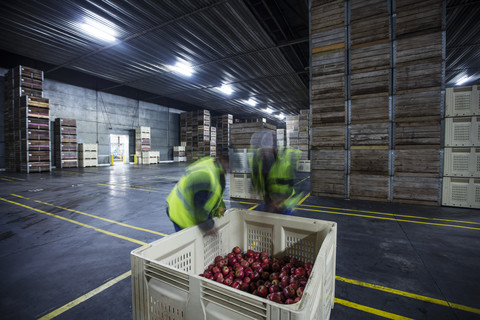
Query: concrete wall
point(100, 114)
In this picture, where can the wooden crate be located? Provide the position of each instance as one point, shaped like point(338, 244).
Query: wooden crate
point(328, 111)
point(415, 48)
point(370, 57)
point(370, 108)
point(328, 136)
point(418, 161)
point(427, 132)
point(418, 103)
point(369, 187)
point(415, 17)
point(328, 183)
point(369, 161)
point(370, 30)
point(370, 134)
point(416, 189)
point(328, 160)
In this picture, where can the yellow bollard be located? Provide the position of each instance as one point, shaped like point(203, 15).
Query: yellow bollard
point(111, 160)
point(134, 159)
point(123, 159)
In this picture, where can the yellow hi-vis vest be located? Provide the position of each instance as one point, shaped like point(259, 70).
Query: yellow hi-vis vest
point(201, 176)
point(281, 177)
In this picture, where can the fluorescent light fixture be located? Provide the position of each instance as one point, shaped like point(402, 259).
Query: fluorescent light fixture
point(462, 80)
point(99, 30)
point(280, 116)
point(226, 88)
point(182, 67)
point(268, 110)
point(251, 102)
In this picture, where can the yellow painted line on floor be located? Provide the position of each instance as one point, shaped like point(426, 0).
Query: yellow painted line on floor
point(5, 179)
point(251, 208)
point(391, 219)
point(86, 296)
point(374, 311)
point(409, 295)
point(392, 214)
point(14, 178)
point(16, 195)
point(77, 223)
point(104, 219)
point(302, 180)
point(301, 201)
point(139, 189)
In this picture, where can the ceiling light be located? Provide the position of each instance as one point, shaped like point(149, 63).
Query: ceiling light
point(99, 30)
point(251, 102)
point(268, 110)
point(182, 67)
point(462, 80)
point(226, 88)
point(280, 116)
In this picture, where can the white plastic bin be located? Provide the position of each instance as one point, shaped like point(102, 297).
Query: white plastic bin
point(165, 274)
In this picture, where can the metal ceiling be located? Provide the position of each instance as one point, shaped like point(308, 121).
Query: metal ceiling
point(260, 47)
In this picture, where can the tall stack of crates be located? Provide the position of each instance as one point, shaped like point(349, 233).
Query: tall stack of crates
point(195, 134)
point(66, 143)
point(142, 142)
point(213, 142)
point(461, 175)
point(242, 132)
point(27, 122)
point(179, 154)
point(223, 124)
point(292, 130)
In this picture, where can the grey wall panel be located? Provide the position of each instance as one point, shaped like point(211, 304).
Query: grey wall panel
point(2, 125)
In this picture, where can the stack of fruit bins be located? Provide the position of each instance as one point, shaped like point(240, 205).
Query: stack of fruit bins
point(166, 281)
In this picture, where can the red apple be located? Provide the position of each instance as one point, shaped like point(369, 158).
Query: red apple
point(217, 258)
point(300, 292)
point(250, 253)
point(237, 250)
point(225, 270)
point(236, 285)
point(289, 292)
point(227, 281)
point(289, 301)
point(274, 288)
point(248, 272)
point(262, 291)
point(215, 270)
point(218, 277)
point(239, 273)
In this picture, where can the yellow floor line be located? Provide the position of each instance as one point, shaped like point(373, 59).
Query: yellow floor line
point(16, 195)
point(377, 312)
point(104, 219)
point(5, 179)
point(86, 296)
point(391, 219)
point(302, 180)
point(410, 295)
point(15, 178)
point(253, 207)
point(391, 214)
point(243, 202)
point(300, 202)
point(77, 223)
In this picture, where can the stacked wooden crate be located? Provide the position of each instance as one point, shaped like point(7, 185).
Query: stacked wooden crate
point(369, 76)
point(419, 78)
point(179, 154)
point(213, 141)
point(223, 125)
point(27, 122)
point(195, 134)
point(328, 27)
point(291, 124)
point(242, 132)
point(66, 155)
point(461, 175)
point(87, 155)
point(376, 99)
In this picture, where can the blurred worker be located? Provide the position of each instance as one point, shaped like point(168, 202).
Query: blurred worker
point(273, 173)
point(198, 195)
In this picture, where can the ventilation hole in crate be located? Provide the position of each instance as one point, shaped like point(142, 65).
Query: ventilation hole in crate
point(461, 132)
point(302, 249)
point(477, 194)
point(460, 162)
point(462, 102)
point(459, 193)
point(259, 240)
point(478, 164)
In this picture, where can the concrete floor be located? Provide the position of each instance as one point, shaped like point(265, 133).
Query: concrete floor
point(61, 241)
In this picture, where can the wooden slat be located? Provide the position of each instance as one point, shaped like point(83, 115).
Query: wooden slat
point(370, 82)
point(369, 134)
point(328, 63)
point(371, 29)
point(424, 75)
point(418, 133)
point(361, 9)
point(373, 162)
point(416, 48)
point(369, 187)
point(415, 104)
point(328, 183)
point(370, 58)
point(328, 160)
point(328, 87)
point(419, 190)
point(327, 15)
point(328, 136)
point(369, 108)
point(328, 37)
point(420, 162)
point(328, 111)
point(413, 17)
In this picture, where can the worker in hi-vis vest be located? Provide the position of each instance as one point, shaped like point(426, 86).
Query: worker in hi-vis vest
point(273, 172)
point(198, 196)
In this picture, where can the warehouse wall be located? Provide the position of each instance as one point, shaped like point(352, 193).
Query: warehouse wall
point(100, 114)
point(377, 99)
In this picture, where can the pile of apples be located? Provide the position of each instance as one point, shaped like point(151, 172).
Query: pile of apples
point(280, 280)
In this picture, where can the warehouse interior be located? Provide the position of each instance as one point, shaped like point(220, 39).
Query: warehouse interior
point(380, 96)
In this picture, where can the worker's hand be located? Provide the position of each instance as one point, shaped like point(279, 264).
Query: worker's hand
point(212, 232)
point(219, 212)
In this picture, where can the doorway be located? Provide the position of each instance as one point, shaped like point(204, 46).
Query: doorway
point(119, 148)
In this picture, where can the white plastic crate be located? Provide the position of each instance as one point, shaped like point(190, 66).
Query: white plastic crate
point(87, 163)
point(165, 274)
point(462, 101)
point(303, 166)
point(241, 187)
point(87, 147)
point(461, 192)
point(462, 131)
point(462, 162)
